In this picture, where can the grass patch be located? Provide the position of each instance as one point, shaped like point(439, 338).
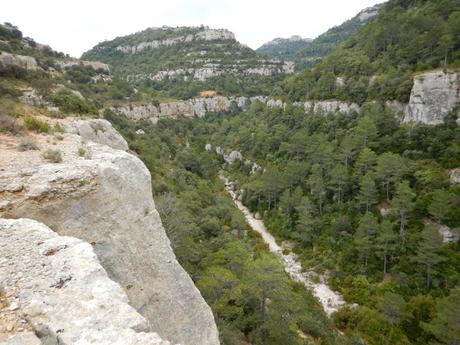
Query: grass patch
point(36, 125)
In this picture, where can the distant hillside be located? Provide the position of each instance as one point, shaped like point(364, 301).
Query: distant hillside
point(378, 61)
point(306, 52)
point(185, 60)
point(284, 48)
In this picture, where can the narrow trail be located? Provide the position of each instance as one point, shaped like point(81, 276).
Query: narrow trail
point(330, 300)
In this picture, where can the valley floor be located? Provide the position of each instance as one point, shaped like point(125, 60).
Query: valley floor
point(330, 300)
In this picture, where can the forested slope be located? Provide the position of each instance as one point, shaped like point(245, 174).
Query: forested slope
point(379, 60)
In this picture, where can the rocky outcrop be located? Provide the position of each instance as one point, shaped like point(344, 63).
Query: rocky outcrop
point(434, 95)
point(331, 106)
point(95, 65)
point(206, 34)
point(104, 198)
point(55, 289)
point(99, 131)
point(199, 107)
point(369, 13)
point(214, 69)
point(22, 61)
point(454, 175)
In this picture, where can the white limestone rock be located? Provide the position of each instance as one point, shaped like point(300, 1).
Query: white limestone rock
point(434, 94)
point(105, 199)
point(331, 106)
point(454, 175)
point(27, 62)
point(61, 289)
point(98, 131)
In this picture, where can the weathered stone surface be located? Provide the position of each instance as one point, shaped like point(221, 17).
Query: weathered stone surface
point(96, 65)
point(331, 106)
point(454, 175)
point(99, 131)
point(59, 286)
point(105, 199)
point(233, 156)
point(206, 34)
point(434, 94)
point(31, 96)
point(22, 61)
point(200, 106)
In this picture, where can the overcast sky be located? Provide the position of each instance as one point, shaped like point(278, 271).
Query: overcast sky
point(75, 26)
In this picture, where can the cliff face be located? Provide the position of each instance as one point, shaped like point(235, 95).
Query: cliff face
point(434, 94)
point(56, 291)
point(199, 107)
point(104, 198)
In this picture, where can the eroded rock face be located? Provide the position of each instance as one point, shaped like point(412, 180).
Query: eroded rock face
point(200, 106)
point(22, 61)
point(57, 288)
point(206, 34)
point(434, 94)
point(99, 131)
point(331, 106)
point(105, 199)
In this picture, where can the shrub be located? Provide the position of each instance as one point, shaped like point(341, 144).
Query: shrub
point(81, 152)
point(37, 125)
point(53, 156)
point(7, 123)
point(27, 144)
point(8, 116)
point(70, 103)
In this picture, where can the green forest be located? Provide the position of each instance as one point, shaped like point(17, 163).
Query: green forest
point(377, 63)
point(364, 199)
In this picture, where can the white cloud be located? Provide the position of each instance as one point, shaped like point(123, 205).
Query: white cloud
point(75, 26)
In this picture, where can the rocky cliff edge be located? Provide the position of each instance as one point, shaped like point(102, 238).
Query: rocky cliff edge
point(102, 196)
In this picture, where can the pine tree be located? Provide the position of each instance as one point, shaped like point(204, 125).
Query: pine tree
point(365, 162)
point(365, 235)
point(446, 325)
point(338, 179)
point(317, 186)
point(403, 204)
point(386, 242)
point(428, 252)
point(305, 222)
point(367, 192)
point(440, 205)
point(390, 169)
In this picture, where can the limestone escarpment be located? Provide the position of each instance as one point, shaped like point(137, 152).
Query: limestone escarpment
point(206, 34)
point(434, 94)
point(215, 68)
point(199, 107)
point(55, 288)
point(104, 198)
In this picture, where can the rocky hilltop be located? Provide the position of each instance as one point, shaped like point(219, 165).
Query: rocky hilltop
point(97, 192)
point(187, 55)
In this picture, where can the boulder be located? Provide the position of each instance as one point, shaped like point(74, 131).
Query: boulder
point(22, 61)
point(59, 288)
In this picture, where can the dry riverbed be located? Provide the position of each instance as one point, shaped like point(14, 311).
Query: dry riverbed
point(330, 300)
